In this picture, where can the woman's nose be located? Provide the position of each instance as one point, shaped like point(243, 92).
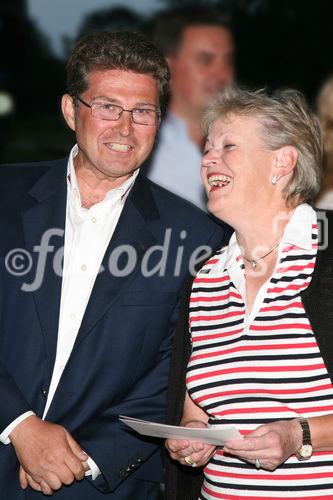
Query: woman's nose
point(209, 159)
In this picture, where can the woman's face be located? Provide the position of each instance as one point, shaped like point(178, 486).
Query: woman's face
point(236, 168)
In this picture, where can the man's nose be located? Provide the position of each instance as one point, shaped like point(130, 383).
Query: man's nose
point(125, 123)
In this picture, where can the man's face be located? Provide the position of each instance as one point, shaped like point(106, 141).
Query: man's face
point(113, 150)
point(202, 67)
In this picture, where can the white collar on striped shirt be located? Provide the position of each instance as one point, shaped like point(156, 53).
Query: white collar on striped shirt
point(298, 232)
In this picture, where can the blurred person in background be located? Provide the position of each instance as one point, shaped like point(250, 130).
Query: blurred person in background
point(325, 113)
point(254, 348)
point(198, 45)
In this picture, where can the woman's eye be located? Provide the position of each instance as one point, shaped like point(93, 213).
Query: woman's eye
point(228, 146)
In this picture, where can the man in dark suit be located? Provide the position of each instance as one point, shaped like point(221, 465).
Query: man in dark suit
point(92, 260)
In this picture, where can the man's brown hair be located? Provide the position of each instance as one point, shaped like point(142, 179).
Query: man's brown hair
point(124, 50)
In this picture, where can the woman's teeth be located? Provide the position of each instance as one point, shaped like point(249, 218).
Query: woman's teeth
point(219, 180)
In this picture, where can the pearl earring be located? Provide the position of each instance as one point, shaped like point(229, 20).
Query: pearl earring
point(275, 178)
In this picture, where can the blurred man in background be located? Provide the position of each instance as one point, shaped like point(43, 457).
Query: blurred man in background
point(198, 45)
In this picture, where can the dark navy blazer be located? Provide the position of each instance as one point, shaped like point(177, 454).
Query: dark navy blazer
point(120, 360)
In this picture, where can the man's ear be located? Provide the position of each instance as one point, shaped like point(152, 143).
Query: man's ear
point(68, 110)
point(286, 160)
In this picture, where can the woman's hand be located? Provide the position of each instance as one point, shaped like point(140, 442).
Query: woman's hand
point(269, 445)
point(190, 453)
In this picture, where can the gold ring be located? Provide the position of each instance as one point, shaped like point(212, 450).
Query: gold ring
point(189, 461)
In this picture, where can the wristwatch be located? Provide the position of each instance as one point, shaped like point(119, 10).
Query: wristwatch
point(305, 451)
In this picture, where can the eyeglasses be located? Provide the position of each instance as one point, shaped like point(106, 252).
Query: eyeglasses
point(105, 110)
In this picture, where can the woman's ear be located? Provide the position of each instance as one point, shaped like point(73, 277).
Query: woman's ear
point(68, 110)
point(285, 162)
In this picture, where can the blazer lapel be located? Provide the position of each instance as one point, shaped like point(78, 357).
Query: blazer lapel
point(43, 229)
point(132, 232)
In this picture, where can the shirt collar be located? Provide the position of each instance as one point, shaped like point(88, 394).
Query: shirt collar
point(232, 252)
point(122, 191)
point(298, 232)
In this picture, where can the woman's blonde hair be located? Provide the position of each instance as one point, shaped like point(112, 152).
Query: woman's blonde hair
point(285, 119)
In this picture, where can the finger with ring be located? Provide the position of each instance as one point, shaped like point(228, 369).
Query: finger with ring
point(257, 463)
point(190, 462)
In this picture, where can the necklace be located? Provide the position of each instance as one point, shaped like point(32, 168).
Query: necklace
point(254, 262)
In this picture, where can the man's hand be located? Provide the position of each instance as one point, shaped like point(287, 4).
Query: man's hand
point(26, 480)
point(48, 454)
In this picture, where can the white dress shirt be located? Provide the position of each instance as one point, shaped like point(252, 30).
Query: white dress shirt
point(87, 235)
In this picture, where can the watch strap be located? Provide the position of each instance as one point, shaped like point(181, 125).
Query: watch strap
point(306, 433)
point(305, 451)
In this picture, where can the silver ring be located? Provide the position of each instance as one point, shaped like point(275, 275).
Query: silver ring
point(257, 463)
point(189, 462)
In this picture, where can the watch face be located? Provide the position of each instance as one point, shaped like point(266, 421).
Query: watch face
point(306, 451)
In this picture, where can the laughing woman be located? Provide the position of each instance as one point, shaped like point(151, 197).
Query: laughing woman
point(255, 349)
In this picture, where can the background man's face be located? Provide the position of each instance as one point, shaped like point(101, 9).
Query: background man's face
point(202, 67)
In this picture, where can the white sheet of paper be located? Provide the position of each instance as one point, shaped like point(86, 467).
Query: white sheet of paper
point(211, 435)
